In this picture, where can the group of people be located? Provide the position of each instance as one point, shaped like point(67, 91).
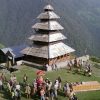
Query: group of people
point(80, 65)
point(68, 91)
point(42, 88)
point(51, 67)
point(14, 88)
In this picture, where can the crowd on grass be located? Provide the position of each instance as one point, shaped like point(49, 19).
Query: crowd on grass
point(43, 89)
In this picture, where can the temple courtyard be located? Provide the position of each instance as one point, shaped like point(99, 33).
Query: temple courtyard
point(65, 74)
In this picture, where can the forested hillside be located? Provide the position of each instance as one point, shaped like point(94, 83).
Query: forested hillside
point(1, 46)
point(81, 19)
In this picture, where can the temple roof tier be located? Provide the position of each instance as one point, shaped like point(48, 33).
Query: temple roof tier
point(48, 25)
point(47, 37)
point(48, 52)
point(48, 15)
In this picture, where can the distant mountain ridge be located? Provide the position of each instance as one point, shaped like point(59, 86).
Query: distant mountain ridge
point(80, 18)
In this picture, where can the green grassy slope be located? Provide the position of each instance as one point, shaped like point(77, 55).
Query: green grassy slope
point(70, 77)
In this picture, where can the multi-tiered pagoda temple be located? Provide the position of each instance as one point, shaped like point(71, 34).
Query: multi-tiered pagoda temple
point(47, 47)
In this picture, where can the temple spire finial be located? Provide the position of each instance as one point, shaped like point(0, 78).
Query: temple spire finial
point(49, 1)
point(48, 7)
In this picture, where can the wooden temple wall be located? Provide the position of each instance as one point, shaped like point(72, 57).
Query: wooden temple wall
point(44, 61)
point(37, 60)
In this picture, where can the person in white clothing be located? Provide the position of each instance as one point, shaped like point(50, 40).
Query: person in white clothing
point(55, 90)
point(18, 87)
point(1, 85)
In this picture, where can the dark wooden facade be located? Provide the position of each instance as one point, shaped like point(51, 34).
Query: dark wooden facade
point(44, 61)
point(3, 57)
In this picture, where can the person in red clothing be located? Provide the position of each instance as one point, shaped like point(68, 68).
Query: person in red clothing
point(39, 80)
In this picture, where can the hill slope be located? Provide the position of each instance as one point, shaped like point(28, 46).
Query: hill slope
point(1, 46)
point(79, 17)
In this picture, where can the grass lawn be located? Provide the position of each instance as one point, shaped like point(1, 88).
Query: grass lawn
point(65, 75)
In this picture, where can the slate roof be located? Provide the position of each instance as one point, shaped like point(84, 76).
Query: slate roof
point(44, 29)
point(50, 37)
point(51, 51)
point(49, 25)
point(15, 50)
point(48, 15)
